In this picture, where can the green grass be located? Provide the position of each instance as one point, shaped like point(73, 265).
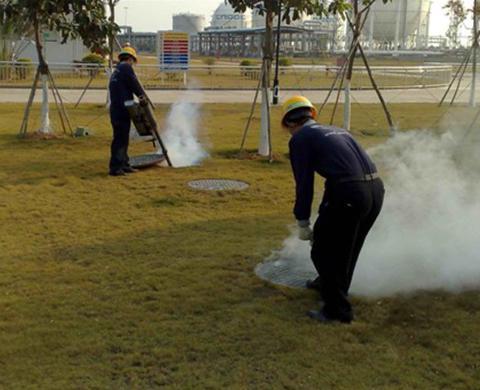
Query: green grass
point(140, 282)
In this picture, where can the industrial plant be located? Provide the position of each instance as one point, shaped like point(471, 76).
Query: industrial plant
point(400, 25)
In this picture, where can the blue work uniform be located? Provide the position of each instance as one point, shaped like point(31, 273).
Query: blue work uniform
point(352, 201)
point(123, 86)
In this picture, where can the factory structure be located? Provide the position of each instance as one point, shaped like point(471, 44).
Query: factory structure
point(241, 34)
point(401, 24)
point(397, 25)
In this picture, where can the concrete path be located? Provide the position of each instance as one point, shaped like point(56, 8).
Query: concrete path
point(430, 95)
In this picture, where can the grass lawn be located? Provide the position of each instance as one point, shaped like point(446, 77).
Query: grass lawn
point(140, 282)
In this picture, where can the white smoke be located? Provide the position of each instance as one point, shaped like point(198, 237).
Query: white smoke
point(181, 135)
point(428, 234)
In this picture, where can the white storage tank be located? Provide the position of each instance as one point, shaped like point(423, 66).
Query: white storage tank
point(189, 23)
point(399, 19)
point(225, 18)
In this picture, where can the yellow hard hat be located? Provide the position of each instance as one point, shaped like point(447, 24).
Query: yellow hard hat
point(297, 102)
point(128, 50)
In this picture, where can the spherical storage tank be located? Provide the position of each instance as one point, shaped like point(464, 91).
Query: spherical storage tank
point(188, 23)
point(411, 15)
point(225, 18)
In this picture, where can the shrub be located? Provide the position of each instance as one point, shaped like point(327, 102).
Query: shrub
point(209, 61)
point(284, 61)
point(93, 58)
point(246, 63)
point(248, 72)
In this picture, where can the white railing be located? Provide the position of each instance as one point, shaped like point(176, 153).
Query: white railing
point(298, 77)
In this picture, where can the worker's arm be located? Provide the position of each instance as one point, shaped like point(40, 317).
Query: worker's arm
point(304, 178)
point(132, 82)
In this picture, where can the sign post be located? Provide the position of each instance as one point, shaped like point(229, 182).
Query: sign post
point(174, 52)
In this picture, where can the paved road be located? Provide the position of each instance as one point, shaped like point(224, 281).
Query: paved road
point(432, 95)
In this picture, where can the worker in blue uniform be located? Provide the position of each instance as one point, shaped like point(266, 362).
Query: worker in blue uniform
point(352, 200)
point(123, 85)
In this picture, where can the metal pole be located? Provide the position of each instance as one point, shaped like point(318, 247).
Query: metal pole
point(474, 63)
point(276, 88)
point(397, 26)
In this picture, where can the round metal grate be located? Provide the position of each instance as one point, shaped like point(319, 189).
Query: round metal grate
point(286, 272)
point(146, 160)
point(218, 185)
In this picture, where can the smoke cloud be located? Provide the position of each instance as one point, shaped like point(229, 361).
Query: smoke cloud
point(181, 135)
point(428, 234)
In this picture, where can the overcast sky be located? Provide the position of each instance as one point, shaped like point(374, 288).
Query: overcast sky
point(155, 15)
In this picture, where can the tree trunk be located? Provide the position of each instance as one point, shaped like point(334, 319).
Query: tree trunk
point(347, 107)
point(45, 127)
point(264, 148)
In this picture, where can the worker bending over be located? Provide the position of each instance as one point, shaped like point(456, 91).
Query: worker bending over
point(351, 202)
point(123, 85)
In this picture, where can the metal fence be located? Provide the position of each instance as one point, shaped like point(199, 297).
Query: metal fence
point(229, 77)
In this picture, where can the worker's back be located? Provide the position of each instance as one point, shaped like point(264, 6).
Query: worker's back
point(122, 86)
point(330, 151)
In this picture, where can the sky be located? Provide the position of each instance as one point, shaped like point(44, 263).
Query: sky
point(155, 15)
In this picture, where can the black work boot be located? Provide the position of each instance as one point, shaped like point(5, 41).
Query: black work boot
point(129, 169)
point(118, 172)
point(319, 315)
point(314, 284)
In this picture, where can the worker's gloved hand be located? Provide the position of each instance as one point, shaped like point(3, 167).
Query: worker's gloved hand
point(143, 101)
point(305, 233)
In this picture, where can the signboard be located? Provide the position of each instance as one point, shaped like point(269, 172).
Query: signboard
point(50, 36)
point(173, 51)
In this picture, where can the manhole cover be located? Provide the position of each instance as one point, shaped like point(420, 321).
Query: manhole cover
point(286, 272)
point(218, 185)
point(146, 160)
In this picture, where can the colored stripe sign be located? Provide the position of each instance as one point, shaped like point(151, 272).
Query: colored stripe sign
point(173, 51)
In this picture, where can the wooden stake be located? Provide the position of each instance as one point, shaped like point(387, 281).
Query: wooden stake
point(62, 106)
point(338, 95)
point(247, 127)
point(59, 111)
point(377, 90)
point(86, 88)
point(459, 83)
point(26, 115)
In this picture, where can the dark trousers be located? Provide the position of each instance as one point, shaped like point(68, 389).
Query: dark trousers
point(119, 147)
point(346, 215)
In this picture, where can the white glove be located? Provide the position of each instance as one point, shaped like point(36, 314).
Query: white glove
point(305, 233)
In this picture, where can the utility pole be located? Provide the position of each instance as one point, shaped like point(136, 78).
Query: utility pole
point(276, 88)
point(475, 49)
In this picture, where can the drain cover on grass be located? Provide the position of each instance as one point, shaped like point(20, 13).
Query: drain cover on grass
point(286, 273)
point(218, 185)
point(146, 160)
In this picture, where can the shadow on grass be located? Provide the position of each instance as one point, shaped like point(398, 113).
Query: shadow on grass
point(251, 155)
